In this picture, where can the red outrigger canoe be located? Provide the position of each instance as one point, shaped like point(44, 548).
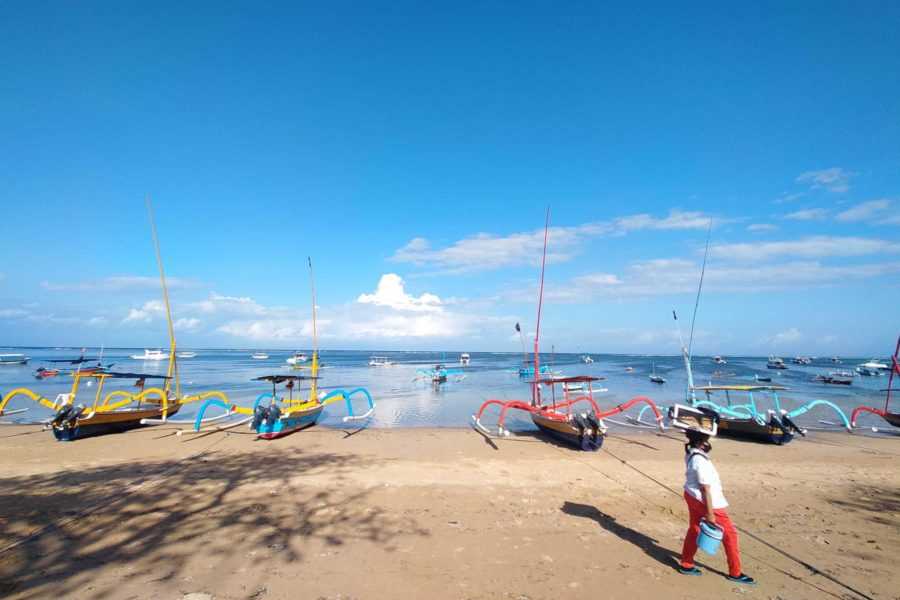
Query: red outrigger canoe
point(893, 418)
point(581, 427)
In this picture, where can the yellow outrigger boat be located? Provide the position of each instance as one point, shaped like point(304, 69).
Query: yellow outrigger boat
point(118, 410)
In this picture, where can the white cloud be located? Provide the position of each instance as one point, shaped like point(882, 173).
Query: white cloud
point(676, 220)
point(146, 313)
point(120, 283)
point(809, 247)
point(391, 293)
point(679, 276)
point(97, 321)
point(864, 211)
point(12, 313)
point(786, 337)
point(229, 305)
point(187, 324)
point(808, 214)
point(761, 227)
point(787, 198)
point(388, 313)
point(834, 179)
point(280, 330)
point(487, 251)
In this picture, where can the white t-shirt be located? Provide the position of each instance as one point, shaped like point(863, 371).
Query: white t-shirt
point(701, 471)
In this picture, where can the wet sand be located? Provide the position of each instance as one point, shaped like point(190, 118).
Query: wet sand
point(440, 513)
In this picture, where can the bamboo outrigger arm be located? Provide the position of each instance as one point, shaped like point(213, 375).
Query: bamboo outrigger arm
point(338, 395)
point(34, 396)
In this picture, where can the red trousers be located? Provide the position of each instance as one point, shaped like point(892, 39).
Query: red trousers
point(729, 540)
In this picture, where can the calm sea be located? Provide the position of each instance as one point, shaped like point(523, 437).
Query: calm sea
point(404, 401)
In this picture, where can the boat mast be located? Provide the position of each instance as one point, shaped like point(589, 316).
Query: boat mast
point(536, 389)
point(315, 358)
point(173, 367)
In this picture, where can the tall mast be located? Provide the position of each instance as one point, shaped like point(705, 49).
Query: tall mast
point(536, 390)
point(687, 351)
point(173, 367)
point(315, 358)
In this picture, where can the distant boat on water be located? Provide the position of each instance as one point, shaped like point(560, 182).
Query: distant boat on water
point(187, 355)
point(13, 359)
point(297, 358)
point(656, 378)
point(586, 359)
point(776, 363)
point(719, 360)
point(465, 359)
point(380, 361)
point(259, 356)
point(801, 360)
point(837, 378)
point(151, 355)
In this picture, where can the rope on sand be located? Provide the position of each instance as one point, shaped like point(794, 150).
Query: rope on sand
point(812, 568)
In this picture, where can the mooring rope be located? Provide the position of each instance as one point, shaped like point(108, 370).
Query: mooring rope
point(812, 568)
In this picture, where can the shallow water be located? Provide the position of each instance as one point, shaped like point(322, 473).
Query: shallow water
point(402, 401)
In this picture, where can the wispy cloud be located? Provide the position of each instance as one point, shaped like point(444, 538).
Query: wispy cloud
point(835, 179)
point(388, 313)
point(146, 313)
point(819, 246)
point(680, 276)
point(786, 337)
point(786, 198)
point(808, 214)
point(761, 227)
point(865, 211)
point(487, 251)
point(120, 283)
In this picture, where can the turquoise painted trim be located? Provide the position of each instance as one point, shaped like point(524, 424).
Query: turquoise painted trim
point(810, 405)
point(260, 398)
point(211, 402)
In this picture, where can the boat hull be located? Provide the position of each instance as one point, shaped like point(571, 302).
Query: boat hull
point(892, 418)
point(286, 425)
point(568, 433)
point(116, 421)
point(750, 429)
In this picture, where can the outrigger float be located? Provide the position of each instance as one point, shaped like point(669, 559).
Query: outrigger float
point(892, 418)
point(555, 414)
point(282, 416)
point(119, 410)
point(744, 421)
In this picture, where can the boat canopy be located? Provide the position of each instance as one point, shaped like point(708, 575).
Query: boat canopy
point(574, 379)
point(738, 388)
point(276, 379)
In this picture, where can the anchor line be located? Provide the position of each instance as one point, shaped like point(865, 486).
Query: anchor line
point(812, 568)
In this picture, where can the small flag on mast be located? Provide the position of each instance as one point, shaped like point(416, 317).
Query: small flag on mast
point(519, 329)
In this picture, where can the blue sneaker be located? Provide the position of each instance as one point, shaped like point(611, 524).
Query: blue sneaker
point(745, 579)
point(690, 571)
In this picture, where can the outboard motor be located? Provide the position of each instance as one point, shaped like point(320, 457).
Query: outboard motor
point(789, 423)
point(259, 415)
point(273, 414)
point(786, 434)
point(597, 438)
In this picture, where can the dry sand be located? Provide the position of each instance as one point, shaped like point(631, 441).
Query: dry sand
point(433, 513)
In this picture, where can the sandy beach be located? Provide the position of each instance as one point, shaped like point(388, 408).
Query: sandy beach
point(441, 513)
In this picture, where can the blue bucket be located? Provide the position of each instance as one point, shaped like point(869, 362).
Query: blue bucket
point(710, 537)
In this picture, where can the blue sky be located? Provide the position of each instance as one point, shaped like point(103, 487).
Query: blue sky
point(412, 150)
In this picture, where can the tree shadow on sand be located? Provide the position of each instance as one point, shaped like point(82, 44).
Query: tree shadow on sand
point(152, 517)
point(647, 544)
point(881, 503)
